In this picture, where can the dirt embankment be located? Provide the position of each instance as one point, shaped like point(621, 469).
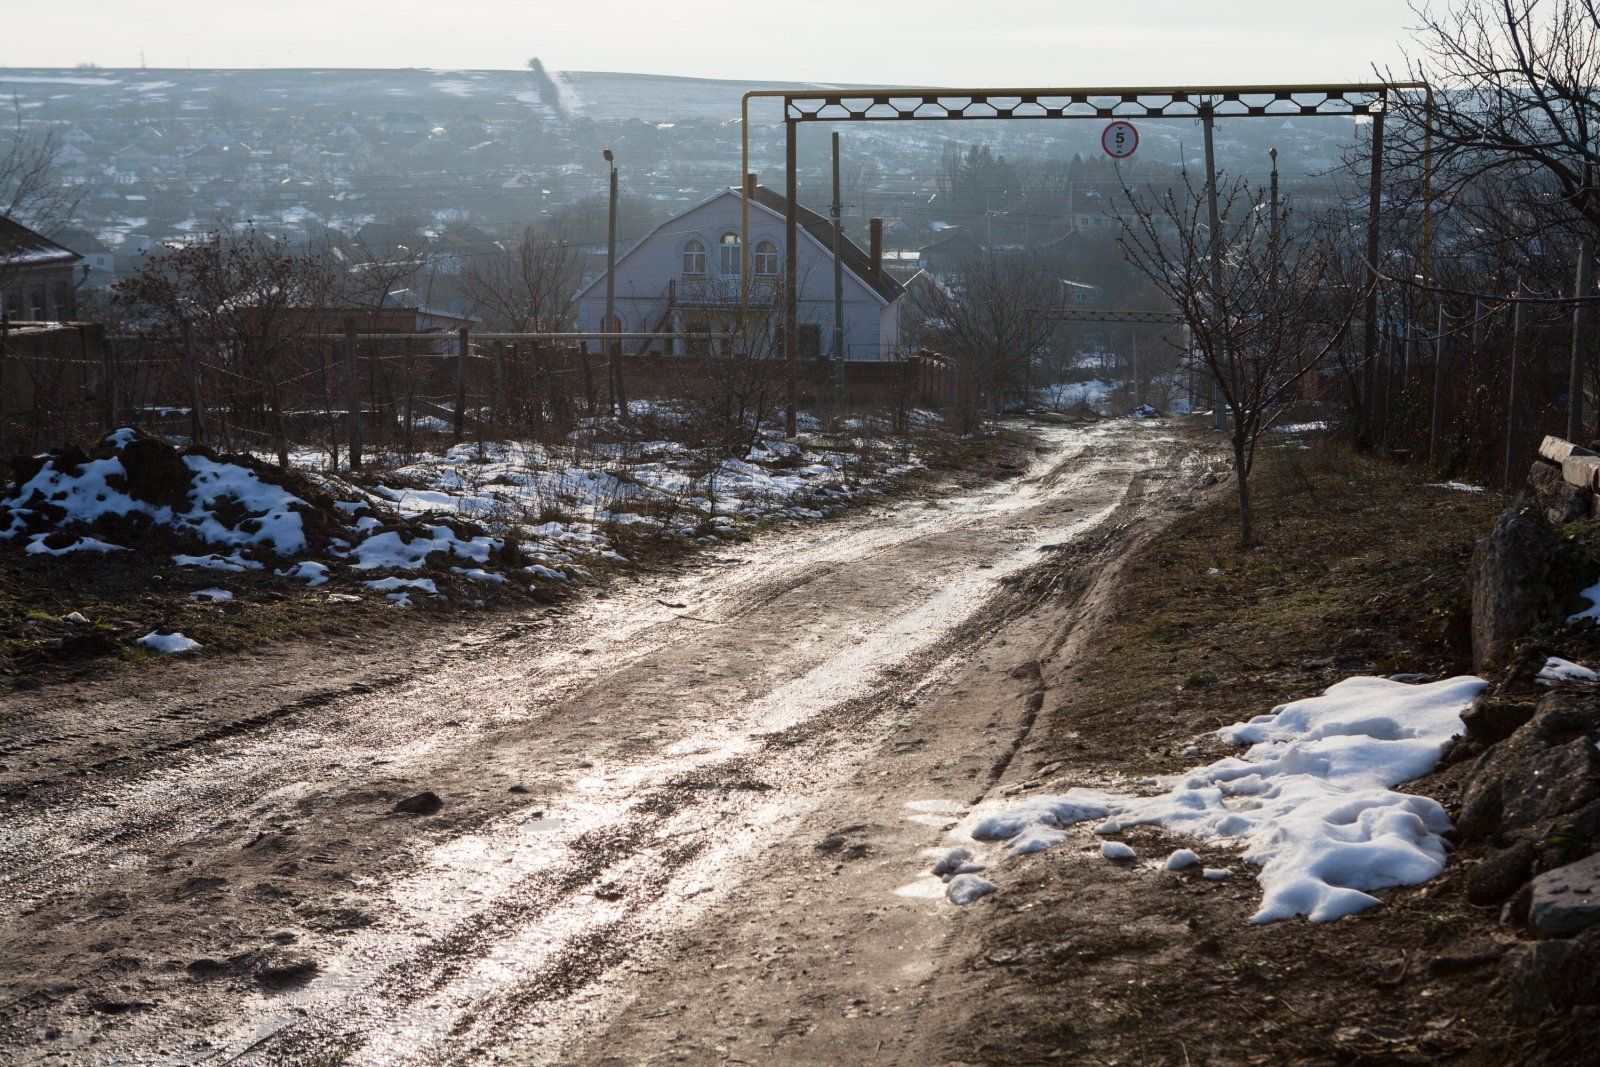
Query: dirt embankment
point(1363, 570)
point(133, 537)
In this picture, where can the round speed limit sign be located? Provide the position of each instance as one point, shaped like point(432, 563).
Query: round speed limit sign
point(1119, 139)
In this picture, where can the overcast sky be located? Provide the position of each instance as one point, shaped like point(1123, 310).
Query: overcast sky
point(907, 42)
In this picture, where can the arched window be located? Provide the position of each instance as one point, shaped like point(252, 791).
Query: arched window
point(729, 261)
point(766, 258)
point(694, 258)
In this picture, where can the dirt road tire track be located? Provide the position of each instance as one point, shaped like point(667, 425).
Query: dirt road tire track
point(674, 759)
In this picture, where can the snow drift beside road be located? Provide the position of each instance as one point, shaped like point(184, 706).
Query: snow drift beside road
point(1310, 801)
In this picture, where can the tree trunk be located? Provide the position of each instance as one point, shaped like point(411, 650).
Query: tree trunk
point(1242, 478)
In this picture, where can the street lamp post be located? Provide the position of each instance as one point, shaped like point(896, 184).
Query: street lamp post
point(613, 368)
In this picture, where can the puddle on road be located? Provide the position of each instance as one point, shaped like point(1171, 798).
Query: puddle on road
point(925, 888)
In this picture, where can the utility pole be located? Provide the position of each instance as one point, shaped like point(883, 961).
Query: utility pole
point(791, 267)
point(1272, 227)
point(613, 369)
point(1369, 342)
point(838, 286)
point(1219, 414)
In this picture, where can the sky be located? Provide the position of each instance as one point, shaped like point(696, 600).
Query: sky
point(1000, 43)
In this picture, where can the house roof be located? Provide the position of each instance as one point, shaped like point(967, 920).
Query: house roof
point(816, 226)
point(20, 246)
point(856, 259)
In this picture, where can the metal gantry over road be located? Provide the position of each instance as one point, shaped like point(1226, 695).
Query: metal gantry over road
point(1206, 103)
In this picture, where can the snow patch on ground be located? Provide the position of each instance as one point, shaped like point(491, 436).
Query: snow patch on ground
point(1310, 801)
point(171, 643)
point(965, 888)
point(1556, 669)
point(307, 570)
point(1592, 595)
point(37, 546)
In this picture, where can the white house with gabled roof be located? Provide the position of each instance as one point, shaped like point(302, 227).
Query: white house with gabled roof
point(683, 277)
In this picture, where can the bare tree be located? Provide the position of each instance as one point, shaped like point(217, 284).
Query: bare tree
point(1517, 87)
point(30, 191)
point(981, 320)
point(242, 297)
point(527, 287)
point(378, 273)
point(1261, 317)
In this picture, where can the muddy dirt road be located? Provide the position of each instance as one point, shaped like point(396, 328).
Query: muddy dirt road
point(685, 822)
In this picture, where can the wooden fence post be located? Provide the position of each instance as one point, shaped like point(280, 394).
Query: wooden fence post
point(191, 371)
point(411, 396)
point(1436, 427)
point(463, 346)
point(108, 364)
point(5, 329)
point(499, 414)
point(1514, 394)
point(353, 397)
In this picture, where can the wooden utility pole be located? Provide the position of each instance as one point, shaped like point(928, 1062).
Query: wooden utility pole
point(1436, 429)
point(353, 392)
point(791, 268)
point(838, 286)
point(1219, 413)
point(191, 371)
point(1514, 395)
point(463, 346)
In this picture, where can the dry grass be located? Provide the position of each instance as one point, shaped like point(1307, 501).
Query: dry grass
point(1364, 570)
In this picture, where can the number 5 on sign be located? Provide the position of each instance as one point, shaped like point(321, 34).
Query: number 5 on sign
point(1119, 139)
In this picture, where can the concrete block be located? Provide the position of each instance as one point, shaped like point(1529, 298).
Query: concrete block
point(1557, 449)
point(1566, 901)
point(1581, 471)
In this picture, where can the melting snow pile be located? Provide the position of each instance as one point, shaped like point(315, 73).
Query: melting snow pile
point(556, 504)
point(249, 513)
point(567, 502)
point(1310, 801)
point(173, 642)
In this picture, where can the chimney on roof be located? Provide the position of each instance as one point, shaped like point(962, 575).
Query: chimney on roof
point(875, 246)
point(750, 185)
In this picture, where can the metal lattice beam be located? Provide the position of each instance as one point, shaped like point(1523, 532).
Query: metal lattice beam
point(1128, 315)
point(869, 105)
